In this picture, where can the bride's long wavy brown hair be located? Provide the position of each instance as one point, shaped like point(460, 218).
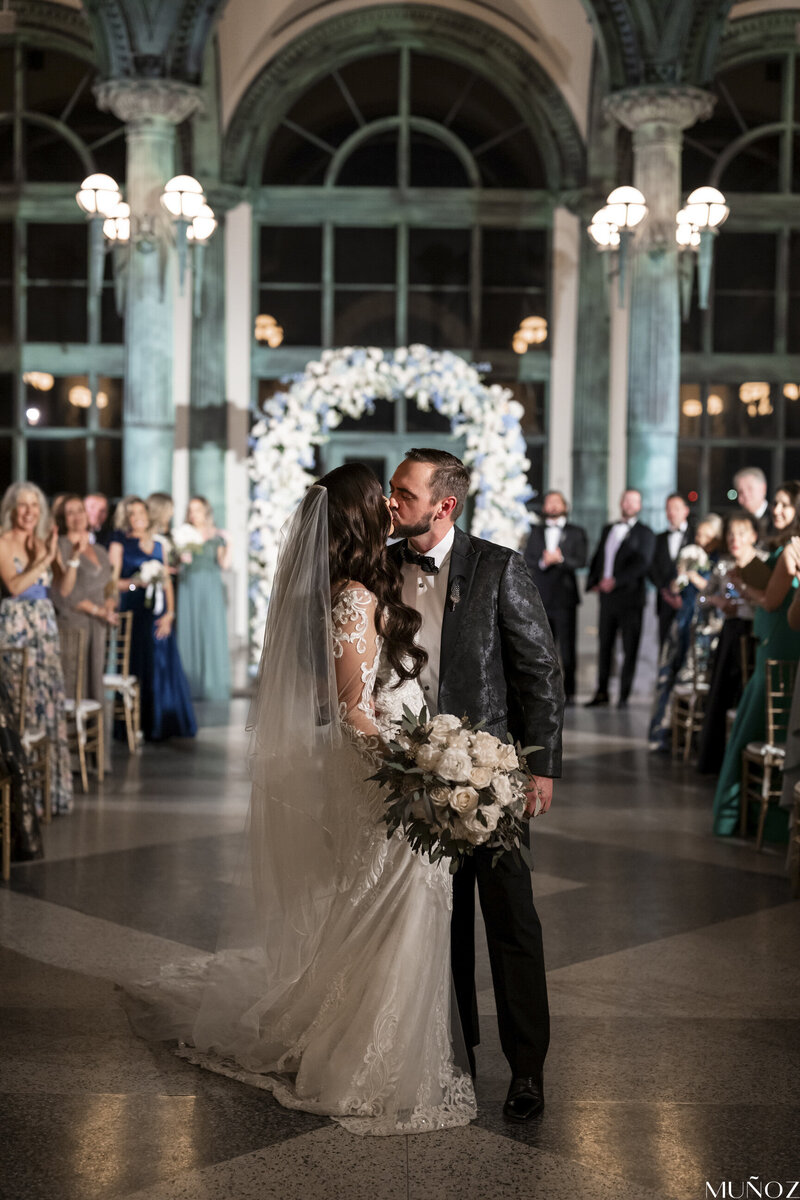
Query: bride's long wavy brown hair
point(358, 526)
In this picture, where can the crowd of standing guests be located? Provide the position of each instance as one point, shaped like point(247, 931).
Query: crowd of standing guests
point(722, 586)
point(69, 566)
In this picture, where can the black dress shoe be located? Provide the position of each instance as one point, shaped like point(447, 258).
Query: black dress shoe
point(597, 700)
point(525, 1099)
point(622, 702)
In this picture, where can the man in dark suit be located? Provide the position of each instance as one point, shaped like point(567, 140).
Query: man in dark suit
point(491, 657)
point(618, 572)
point(751, 489)
point(663, 568)
point(555, 551)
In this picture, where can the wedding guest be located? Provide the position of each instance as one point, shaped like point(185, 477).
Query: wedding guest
point(668, 545)
point(791, 767)
point(92, 603)
point(30, 563)
point(161, 508)
point(96, 505)
point(694, 565)
point(751, 489)
point(726, 682)
point(776, 640)
point(26, 837)
point(618, 572)
point(147, 592)
point(202, 628)
point(557, 549)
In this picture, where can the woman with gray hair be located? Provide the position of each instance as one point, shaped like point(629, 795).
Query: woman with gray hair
point(30, 565)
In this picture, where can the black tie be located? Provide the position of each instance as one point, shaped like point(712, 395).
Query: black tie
point(423, 561)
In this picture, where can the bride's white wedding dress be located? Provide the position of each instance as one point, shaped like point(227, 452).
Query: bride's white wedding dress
point(363, 1033)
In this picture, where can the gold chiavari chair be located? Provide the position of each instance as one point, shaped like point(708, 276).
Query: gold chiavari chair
point(689, 701)
point(5, 823)
point(770, 754)
point(35, 742)
point(84, 716)
point(794, 842)
point(127, 698)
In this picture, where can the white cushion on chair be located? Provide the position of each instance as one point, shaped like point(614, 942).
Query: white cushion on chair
point(119, 681)
point(772, 755)
point(32, 737)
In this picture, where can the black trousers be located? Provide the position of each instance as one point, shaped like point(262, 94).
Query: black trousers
point(516, 955)
point(618, 616)
point(563, 625)
point(724, 692)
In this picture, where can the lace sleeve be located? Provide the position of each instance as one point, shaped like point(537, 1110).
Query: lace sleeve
point(356, 648)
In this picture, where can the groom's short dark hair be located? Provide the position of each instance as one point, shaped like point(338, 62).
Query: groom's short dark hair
point(450, 477)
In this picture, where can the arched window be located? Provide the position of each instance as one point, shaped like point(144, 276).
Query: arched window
point(741, 358)
point(404, 198)
point(60, 347)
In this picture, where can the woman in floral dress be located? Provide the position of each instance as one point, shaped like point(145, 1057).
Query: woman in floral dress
point(30, 563)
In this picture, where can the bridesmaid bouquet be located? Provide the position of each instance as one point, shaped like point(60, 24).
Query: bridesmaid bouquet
point(452, 787)
point(187, 542)
point(151, 577)
point(691, 558)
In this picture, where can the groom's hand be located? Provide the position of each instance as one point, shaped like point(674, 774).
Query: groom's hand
point(541, 789)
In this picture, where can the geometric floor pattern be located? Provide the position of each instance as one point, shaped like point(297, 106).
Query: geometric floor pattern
point(673, 967)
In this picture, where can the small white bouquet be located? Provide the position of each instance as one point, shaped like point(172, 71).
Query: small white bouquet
point(187, 542)
point(453, 786)
point(691, 558)
point(151, 575)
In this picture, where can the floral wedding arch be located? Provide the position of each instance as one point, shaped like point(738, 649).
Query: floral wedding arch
point(346, 383)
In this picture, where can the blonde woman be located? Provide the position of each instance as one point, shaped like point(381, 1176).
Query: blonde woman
point(30, 565)
point(139, 562)
point(202, 624)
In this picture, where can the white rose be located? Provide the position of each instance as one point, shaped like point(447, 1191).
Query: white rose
point(454, 764)
point(485, 749)
point(440, 796)
point(481, 777)
point(459, 739)
point(501, 789)
point(490, 814)
point(507, 757)
point(464, 800)
point(428, 757)
point(441, 726)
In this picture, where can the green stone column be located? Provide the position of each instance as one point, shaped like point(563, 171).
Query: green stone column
point(151, 109)
point(657, 117)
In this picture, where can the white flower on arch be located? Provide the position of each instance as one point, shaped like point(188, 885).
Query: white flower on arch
point(346, 383)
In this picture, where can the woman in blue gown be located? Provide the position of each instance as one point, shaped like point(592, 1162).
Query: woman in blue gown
point(775, 640)
point(166, 704)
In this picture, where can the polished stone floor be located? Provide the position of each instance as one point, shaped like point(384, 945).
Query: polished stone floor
point(674, 971)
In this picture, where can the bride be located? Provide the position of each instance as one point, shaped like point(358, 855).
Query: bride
point(331, 987)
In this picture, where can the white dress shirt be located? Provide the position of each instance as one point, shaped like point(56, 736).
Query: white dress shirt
point(428, 595)
point(616, 536)
point(674, 539)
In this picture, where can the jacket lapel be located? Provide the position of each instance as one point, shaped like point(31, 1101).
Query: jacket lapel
point(463, 561)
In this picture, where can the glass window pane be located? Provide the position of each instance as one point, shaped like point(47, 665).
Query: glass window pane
point(6, 313)
point(109, 402)
point(440, 319)
point(6, 462)
point(724, 462)
point(690, 421)
point(791, 462)
point(744, 262)
point(755, 89)
point(298, 312)
point(756, 168)
point(373, 164)
point(515, 258)
point(374, 84)
point(57, 314)
point(689, 474)
point(501, 315)
point(365, 255)
point(6, 251)
point(6, 78)
point(536, 456)
point(434, 164)
point(49, 157)
point(293, 161)
point(731, 416)
point(57, 465)
point(112, 326)
point(64, 405)
point(108, 466)
point(6, 153)
point(532, 398)
point(379, 421)
point(6, 400)
point(290, 254)
point(418, 421)
point(364, 318)
point(439, 257)
point(744, 324)
point(57, 251)
point(792, 410)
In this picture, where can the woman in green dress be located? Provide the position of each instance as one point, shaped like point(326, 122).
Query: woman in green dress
point(775, 640)
point(202, 626)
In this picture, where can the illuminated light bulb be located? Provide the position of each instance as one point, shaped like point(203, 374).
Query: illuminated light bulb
point(99, 195)
point(706, 208)
point(80, 396)
point(626, 207)
point(32, 415)
point(753, 392)
point(791, 391)
point(42, 381)
point(101, 400)
point(714, 405)
point(183, 197)
point(692, 408)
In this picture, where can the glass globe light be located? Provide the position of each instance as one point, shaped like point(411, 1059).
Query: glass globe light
point(603, 231)
point(692, 408)
point(183, 197)
point(714, 405)
point(117, 227)
point(627, 207)
point(791, 391)
point(202, 226)
point(533, 330)
point(706, 208)
point(99, 195)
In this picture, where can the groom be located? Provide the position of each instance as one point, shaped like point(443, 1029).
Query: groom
point(491, 657)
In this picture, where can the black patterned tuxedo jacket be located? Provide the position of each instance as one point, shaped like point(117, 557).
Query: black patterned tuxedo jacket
point(557, 585)
point(498, 663)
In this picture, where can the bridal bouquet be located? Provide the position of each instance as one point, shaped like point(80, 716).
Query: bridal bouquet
point(187, 542)
point(151, 577)
point(452, 787)
point(691, 558)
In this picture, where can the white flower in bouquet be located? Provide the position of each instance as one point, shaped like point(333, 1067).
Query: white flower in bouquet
point(151, 576)
point(187, 542)
point(151, 571)
point(691, 558)
point(451, 787)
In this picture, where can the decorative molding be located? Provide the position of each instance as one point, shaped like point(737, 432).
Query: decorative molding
point(758, 36)
point(353, 35)
point(133, 100)
point(56, 25)
point(673, 108)
point(166, 41)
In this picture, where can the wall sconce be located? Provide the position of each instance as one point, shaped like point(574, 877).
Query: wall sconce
point(41, 381)
point(692, 407)
point(532, 332)
point(715, 405)
point(268, 330)
point(613, 228)
point(756, 395)
point(81, 397)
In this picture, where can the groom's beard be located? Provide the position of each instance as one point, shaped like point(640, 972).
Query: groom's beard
point(412, 531)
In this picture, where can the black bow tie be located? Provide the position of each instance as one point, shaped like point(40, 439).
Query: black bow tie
point(423, 561)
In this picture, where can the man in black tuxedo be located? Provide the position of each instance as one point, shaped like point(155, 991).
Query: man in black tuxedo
point(751, 489)
point(618, 572)
point(663, 568)
point(491, 657)
point(555, 551)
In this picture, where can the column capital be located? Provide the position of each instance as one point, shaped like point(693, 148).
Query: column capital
point(137, 100)
point(663, 106)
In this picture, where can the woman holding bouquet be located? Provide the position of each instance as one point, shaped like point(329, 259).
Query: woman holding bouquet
point(137, 558)
point(332, 990)
point(202, 631)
